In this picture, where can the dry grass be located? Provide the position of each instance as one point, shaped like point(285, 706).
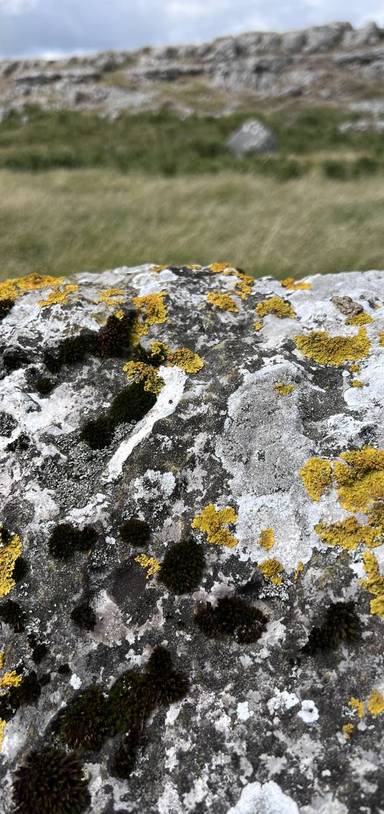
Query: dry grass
point(66, 221)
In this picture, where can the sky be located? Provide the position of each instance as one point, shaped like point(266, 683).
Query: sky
point(55, 27)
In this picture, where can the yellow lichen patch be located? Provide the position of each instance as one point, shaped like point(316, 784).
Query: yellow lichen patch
point(316, 475)
point(267, 539)
point(359, 319)
point(2, 659)
point(272, 570)
point(151, 565)
point(295, 285)
point(213, 522)
point(152, 311)
point(218, 268)
point(298, 570)
point(374, 583)
point(111, 296)
point(348, 730)
point(257, 326)
point(277, 306)
point(3, 724)
point(348, 534)
point(357, 383)
point(244, 285)
point(9, 553)
point(59, 296)
point(381, 338)
point(357, 706)
point(333, 350)
point(14, 287)
point(222, 301)
point(360, 478)
point(119, 314)
point(157, 269)
point(146, 374)
point(354, 368)
point(189, 361)
point(283, 389)
point(376, 703)
point(10, 679)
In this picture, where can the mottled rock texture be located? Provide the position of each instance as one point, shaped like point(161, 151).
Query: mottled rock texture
point(237, 437)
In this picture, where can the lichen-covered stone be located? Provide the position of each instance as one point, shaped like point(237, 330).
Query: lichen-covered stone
point(142, 422)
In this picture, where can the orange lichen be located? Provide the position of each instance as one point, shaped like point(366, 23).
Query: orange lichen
point(295, 285)
point(283, 389)
point(359, 319)
point(152, 311)
point(146, 374)
point(151, 564)
point(9, 553)
point(349, 533)
point(374, 583)
point(111, 296)
point(316, 475)
point(14, 287)
point(213, 522)
point(376, 703)
point(360, 478)
point(348, 730)
point(357, 706)
point(333, 350)
point(272, 570)
point(10, 679)
point(218, 268)
point(3, 724)
point(277, 306)
point(185, 358)
point(267, 539)
point(257, 326)
point(354, 368)
point(222, 301)
point(298, 570)
point(244, 285)
point(381, 338)
point(59, 296)
point(357, 383)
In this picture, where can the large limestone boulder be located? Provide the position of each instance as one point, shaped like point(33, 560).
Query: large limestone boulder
point(191, 560)
point(252, 137)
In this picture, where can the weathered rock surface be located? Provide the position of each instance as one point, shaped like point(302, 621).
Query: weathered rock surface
point(332, 61)
point(242, 446)
point(252, 137)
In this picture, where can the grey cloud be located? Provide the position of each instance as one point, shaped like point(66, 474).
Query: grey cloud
point(32, 27)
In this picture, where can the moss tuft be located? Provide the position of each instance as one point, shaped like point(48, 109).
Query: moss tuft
point(84, 723)
point(66, 539)
point(44, 385)
point(164, 684)
point(115, 337)
point(135, 532)
point(183, 566)
point(124, 759)
point(231, 617)
point(131, 404)
point(5, 308)
point(13, 615)
point(84, 616)
point(97, 433)
point(28, 692)
point(341, 624)
point(50, 782)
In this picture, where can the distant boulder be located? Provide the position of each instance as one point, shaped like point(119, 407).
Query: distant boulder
point(252, 137)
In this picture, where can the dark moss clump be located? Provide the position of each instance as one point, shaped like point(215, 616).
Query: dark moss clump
point(20, 569)
point(72, 350)
point(44, 385)
point(134, 696)
point(84, 616)
point(64, 670)
point(98, 432)
point(135, 532)
point(12, 614)
point(50, 782)
point(124, 759)
point(14, 358)
point(115, 337)
point(231, 617)
point(131, 404)
point(84, 723)
point(5, 308)
point(39, 649)
point(341, 624)
point(183, 566)
point(28, 692)
point(66, 539)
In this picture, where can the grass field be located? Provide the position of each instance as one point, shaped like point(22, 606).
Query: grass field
point(79, 192)
point(66, 221)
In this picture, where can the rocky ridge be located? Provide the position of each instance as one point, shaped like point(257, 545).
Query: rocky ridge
point(328, 63)
point(192, 548)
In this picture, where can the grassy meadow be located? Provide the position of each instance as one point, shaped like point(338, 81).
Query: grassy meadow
point(78, 192)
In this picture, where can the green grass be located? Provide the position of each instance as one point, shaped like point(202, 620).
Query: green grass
point(163, 144)
point(61, 221)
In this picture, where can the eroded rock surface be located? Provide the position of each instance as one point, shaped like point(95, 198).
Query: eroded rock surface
point(232, 429)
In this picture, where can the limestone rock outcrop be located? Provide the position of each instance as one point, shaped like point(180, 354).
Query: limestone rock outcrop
point(192, 542)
